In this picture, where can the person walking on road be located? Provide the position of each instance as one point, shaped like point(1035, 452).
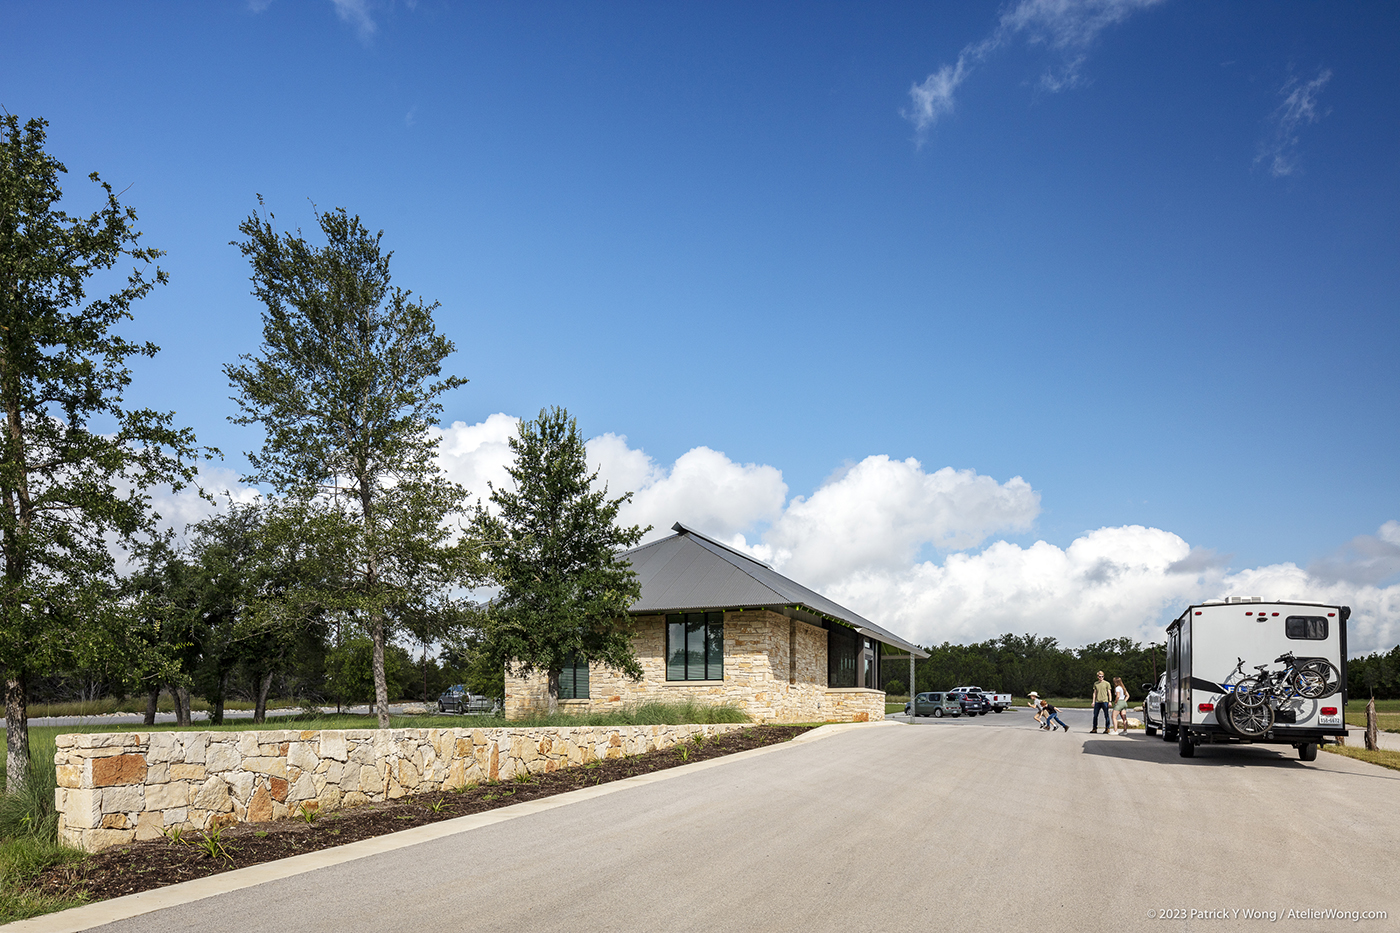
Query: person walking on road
point(1033, 701)
point(1101, 700)
point(1052, 717)
point(1120, 708)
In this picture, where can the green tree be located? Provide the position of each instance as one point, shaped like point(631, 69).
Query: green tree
point(75, 462)
point(552, 547)
point(345, 388)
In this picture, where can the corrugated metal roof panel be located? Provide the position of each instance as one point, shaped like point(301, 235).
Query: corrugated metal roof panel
point(689, 571)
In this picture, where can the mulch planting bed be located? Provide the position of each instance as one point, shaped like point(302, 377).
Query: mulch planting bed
point(143, 866)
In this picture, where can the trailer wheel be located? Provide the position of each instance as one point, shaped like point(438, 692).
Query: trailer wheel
point(1185, 746)
point(1307, 751)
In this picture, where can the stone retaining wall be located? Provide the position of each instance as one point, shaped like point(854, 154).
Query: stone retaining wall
point(115, 788)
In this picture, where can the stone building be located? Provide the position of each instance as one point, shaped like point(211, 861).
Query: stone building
point(717, 626)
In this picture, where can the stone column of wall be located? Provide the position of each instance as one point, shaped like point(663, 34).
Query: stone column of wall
point(115, 788)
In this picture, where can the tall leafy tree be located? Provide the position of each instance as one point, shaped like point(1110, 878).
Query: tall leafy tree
point(552, 546)
point(75, 461)
point(346, 387)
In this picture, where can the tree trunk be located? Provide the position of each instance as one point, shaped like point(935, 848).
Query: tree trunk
point(381, 687)
point(260, 708)
point(16, 734)
point(553, 691)
point(1371, 725)
point(181, 695)
point(216, 715)
point(152, 705)
point(425, 673)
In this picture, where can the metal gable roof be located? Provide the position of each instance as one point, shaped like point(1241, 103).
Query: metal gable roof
point(690, 571)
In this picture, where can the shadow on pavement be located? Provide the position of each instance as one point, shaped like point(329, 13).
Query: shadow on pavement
point(1152, 748)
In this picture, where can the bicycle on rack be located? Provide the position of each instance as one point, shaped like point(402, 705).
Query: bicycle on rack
point(1309, 678)
point(1249, 708)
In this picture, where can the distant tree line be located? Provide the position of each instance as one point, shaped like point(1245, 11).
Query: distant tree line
point(1374, 675)
point(1018, 664)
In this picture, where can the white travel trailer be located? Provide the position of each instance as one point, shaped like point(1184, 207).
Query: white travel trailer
point(1247, 671)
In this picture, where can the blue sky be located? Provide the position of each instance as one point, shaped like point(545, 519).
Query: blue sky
point(1141, 255)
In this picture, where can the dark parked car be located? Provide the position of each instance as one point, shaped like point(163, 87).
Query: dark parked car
point(971, 701)
point(458, 700)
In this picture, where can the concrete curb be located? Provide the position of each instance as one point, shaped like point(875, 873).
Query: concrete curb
point(134, 905)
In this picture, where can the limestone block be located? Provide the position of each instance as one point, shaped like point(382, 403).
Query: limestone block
point(64, 741)
point(329, 799)
point(222, 756)
point(185, 772)
point(362, 753)
point(242, 783)
point(176, 816)
point(354, 799)
point(194, 745)
point(69, 775)
point(83, 808)
point(278, 789)
point(409, 776)
point(116, 821)
point(118, 769)
point(95, 840)
point(163, 747)
point(213, 795)
point(124, 798)
point(276, 767)
point(158, 773)
point(304, 789)
point(149, 825)
point(300, 755)
point(164, 796)
point(248, 744)
point(260, 807)
point(332, 772)
point(370, 780)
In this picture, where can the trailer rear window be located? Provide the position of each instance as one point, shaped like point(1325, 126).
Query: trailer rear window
point(1312, 628)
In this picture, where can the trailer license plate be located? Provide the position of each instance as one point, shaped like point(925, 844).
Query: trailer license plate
point(1330, 720)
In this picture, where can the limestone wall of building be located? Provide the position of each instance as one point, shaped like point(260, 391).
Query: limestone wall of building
point(774, 670)
point(115, 788)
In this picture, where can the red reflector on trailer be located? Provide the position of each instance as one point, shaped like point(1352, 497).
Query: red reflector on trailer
point(1330, 614)
point(1329, 711)
point(1198, 612)
point(1250, 613)
point(1206, 707)
point(1275, 613)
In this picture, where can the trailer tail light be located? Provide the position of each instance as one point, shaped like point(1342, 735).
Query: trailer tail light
point(1198, 612)
point(1250, 613)
point(1205, 707)
point(1330, 614)
point(1329, 711)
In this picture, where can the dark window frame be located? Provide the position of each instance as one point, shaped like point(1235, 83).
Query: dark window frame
point(569, 680)
point(1306, 628)
point(699, 655)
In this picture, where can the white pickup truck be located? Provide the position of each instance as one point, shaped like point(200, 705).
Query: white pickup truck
point(998, 701)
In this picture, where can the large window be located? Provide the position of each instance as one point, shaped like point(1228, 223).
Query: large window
point(1312, 628)
point(695, 646)
point(843, 645)
point(573, 680)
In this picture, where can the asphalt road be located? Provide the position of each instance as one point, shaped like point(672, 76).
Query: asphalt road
point(965, 825)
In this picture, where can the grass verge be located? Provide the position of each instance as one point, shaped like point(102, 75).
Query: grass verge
point(639, 714)
point(1383, 757)
point(29, 843)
